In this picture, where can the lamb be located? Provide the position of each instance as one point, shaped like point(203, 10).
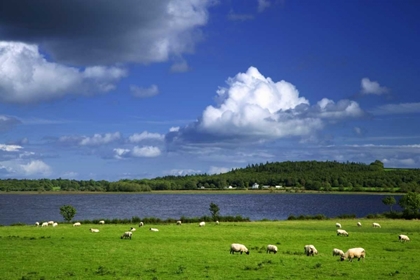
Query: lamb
point(338, 225)
point(202, 224)
point(102, 222)
point(310, 250)
point(342, 232)
point(141, 224)
point(44, 224)
point(55, 224)
point(352, 253)
point(359, 224)
point(77, 224)
point(403, 237)
point(178, 223)
point(94, 230)
point(217, 222)
point(154, 229)
point(126, 234)
point(337, 252)
point(132, 229)
point(37, 224)
point(235, 247)
point(376, 225)
point(272, 248)
point(50, 223)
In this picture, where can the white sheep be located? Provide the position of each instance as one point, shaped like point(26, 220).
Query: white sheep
point(271, 248)
point(77, 224)
point(403, 237)
point(133, 229)
point(310, 250)
point(178, 223)
point(202, 224)
point(359, 224)
point(337, 252)
point(376, 225)
point(127, 234)
point(44, 224)
point(217, 222)
point(352, 253)
point(55, 224)
point(94, 230)
point(338, 225)
point(235, 247)
point(37, 224)
point(50, 223)
point(154, 229)
point(342, 232)
point(102, 222)
point(141, 224)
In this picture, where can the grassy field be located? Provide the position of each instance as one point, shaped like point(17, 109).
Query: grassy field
point(193, 252)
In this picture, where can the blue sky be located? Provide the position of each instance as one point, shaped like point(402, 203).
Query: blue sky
point(107, 90)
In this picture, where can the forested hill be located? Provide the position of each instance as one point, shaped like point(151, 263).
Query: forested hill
point(290, 176)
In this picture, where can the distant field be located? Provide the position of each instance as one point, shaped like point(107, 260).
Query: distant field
point(193, 252)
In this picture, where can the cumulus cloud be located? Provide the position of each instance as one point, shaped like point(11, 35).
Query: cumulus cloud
point(218, 170)
point(27, 77)
point(144, 151)
point(255, 107)
point(112, 32)
point(262, 5)
point(392, 109)
point(10, 148)
point(144, 92)
point(180, 67)
point(139, 137)
point(96, 140)
point(36, 167)
point(372, 87)
point(183, 172)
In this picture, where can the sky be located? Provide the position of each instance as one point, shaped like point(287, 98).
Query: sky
point(133, 89)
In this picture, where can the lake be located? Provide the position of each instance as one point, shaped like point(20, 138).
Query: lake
point(29, 208)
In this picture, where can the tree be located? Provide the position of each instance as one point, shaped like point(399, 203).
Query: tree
point(389, 200)
point(214, 210)
point(410, 202)
point(68, 212)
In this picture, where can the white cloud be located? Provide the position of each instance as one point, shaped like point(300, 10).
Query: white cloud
point(6, 122)
point(27, 77)
point(99, 139)
point(239, 17)
point(262, 5)
point(183, 172)
point(135, 138)
point(218, 170)
point(36, 167)
point(10, 148)
point(372, 87)
point(146, 151)
point(144, 92)
point(120, 153)
point(180, 67)
point(392, 109)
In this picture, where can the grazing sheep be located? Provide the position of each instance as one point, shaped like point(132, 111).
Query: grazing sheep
point(94, 230)
point(358, 253)
point(217, 222)
point(338, 225)
point(37, 224)
point(310, 250)
point(127, 234)
point(44, 224)
point(154, 229)
point(342, 232)
point(50, 223)
point(178, 223)
point(141, 224)
point(272, 248)
point(55, 224)
point(359, 224)
point(102, 222)
point(235, 247)
point(403, 237)
point(376, 225)
point(202, 224)
point(132, 229)
point(77, 224)
point(337, 252)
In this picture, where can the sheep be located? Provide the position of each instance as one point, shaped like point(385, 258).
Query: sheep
point(352, 253)
point(50, 223)
point(141, 224)
point(77, 224)
point(55, 224)
point(338, 225)
point(310, 250)
point(202, 224)
point(102, 222)
point(217, 222)
point(235, 247)
point(272, 248)
point(342, 232)
point(154, 229)
point(127, 234)
point(359, 224)
point(376, 225)
point(337, 252)
point(44, 224)
point(94, 230)
point(178, 223)
point(403, 237)
point(37, 224)
point(133, 229)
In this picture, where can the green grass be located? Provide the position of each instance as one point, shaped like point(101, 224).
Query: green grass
point(193, 252)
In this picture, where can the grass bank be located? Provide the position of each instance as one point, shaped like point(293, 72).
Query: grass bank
point(193, 252)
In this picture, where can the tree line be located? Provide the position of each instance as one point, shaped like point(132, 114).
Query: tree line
point(299, 175)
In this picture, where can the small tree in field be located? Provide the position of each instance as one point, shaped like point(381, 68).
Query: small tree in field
point(214, 210)
point(68, 212)
point(389, 200)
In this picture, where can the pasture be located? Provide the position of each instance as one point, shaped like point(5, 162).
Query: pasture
point(192, 252)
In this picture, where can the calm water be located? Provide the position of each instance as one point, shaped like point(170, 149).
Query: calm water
point(29, 208)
